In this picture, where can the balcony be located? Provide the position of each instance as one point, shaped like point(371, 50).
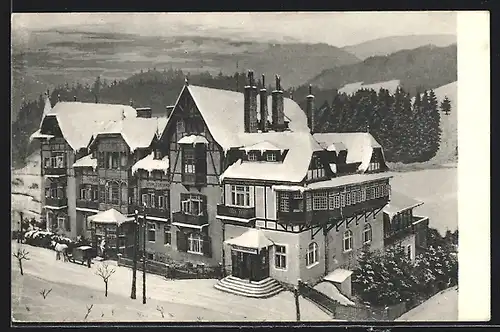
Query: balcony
point(236, 211)
point(54, 171)
point(152, 212)
point(183, 218)
point(329, 216)
point(56, 202)
point(196, 180)
point(84, 204)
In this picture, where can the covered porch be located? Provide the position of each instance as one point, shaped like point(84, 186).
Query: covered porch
point(112, 234)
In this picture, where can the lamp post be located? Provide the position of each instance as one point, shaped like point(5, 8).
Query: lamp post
point(144, 256)
point(133, 293)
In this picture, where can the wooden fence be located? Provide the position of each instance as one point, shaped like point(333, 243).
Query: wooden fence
point(350, 313)
point(174, 272)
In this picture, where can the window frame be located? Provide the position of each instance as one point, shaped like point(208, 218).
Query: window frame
point(252, 156)
point(151, 227)
point(188, 159)
point(320, 201)
point(282, 255)
point(349, 239)
point(190, 201)
point(195, 239)
point(312, 255)
point(167, 230)
point(271, 156)
point(367, 230)
point(240, 191)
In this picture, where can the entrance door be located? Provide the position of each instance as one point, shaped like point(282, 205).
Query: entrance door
point(241, 264)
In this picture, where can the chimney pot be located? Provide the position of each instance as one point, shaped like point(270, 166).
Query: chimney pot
point(310, 110)
point(278, 113)
point(263, 82)
point(250, 105)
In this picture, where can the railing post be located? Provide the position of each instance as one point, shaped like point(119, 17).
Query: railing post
point(297, 304)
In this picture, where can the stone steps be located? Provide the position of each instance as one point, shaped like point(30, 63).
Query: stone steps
point(256, 289)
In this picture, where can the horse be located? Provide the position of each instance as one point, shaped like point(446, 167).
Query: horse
point(61, 249)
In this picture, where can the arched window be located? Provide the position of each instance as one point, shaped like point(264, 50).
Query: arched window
point(347, 240)
point(312, 255)
point(367, 234)
point(195, 243)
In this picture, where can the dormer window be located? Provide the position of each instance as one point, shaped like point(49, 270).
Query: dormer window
point(271, 156)
point(252, 156)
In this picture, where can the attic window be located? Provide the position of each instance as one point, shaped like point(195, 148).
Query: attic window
point(252, 156)
point(271, 156)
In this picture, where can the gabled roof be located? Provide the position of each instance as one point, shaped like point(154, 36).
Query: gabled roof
point(222, 111)
point(300, 146)
point(136, 132)
point(80, 121)
point(359, 146)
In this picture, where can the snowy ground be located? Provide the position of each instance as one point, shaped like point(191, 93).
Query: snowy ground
point(437, 188)
point(441, 307)
point(75, 286)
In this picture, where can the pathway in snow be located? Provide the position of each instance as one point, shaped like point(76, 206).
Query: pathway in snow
point(195, 293)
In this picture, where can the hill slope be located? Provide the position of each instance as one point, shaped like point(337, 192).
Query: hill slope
point(388, 45)
point(428, 67)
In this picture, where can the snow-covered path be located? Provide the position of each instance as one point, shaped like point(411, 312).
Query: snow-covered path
point(196, 295)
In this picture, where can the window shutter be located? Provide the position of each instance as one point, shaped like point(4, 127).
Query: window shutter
point(181, 241)
point(207, 246)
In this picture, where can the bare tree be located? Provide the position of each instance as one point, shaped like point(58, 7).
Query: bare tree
point(89, 309)
point(105, 272)
point(161, 310)
point(21, 255)
point(45, 292)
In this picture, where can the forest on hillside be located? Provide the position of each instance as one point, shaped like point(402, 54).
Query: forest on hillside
point(408, 131)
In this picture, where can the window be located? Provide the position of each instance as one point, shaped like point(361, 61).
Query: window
point(252, 156)
point(347, 240)
point(297, 202)
point(309, 202)
point(151, 232)
point(151, 200)
point(320, 201)
point(374, 166)
point(61, 222)
point(240, 195)
point(95, 193)
point(100, 160)
point(367, 233)
point(115, 159)
point(145, 199)
point(284, 202)
point(280, 257)
point(167, 235)
point(408, 252)
point(271, 156)
point(312, 255)
point(102, 194)
point(348, 198)
point(189, 159)
point(195, 243)
point(114, 193)
point(192, 204)
point(363, 194)
point(161, 202)
point(123, 160)
point(342, 199)
point(59, 161)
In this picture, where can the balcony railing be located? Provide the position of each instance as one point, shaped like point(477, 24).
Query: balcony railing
point(329, 216)
point(56, 202)
point(153, 212)
point(190, 179)
point(185, 218)
point(236, 211)
point(81, 203)
point(54, 171)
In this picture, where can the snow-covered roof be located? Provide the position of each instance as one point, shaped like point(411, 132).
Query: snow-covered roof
point(400, 202)
point(338, 275)
point(359, 146)
point(288, 188)
point(252, 238)
point(347, 180)
point(222, 111)
point(193, 139)
point(300, 146)
point(80, 121)
point(38, 134)
point(262, 146)
point(110, 216)
point(150, 164)
point(136, 132)
point(46, 109)
point(86, 161)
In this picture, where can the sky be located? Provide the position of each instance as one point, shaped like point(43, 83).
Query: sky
point(334, 28)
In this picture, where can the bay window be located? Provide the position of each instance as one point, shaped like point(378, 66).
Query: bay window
point(192, 204)
point(189, 160)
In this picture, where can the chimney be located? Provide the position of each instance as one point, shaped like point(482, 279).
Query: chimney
point(169, 110)
point(263, 106)
point(250, 105)
point(310, 110)
point(144, 112)
point(278, 113)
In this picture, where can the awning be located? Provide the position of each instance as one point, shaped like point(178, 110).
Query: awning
point(253, 238)
point(180, 224)
point(399, 203)
point(193, 139)
point(110, 216)
point(338, 275)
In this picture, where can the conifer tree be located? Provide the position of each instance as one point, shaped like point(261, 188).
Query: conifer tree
point(446, 106)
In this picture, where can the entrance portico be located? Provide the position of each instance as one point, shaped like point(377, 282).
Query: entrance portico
point(250, 255)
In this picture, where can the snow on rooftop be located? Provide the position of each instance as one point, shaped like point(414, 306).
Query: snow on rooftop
point(347, 180)
point(253, 238)
point(80, 121)
point(400, 202)
point(359, 146)
point(38, 134)
point(136, 132)
point(86, 161)
point(262, 146)
point(150, 164)
point(193, 139)
point(338, 275)
point(300, 146)
point(222, 111)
